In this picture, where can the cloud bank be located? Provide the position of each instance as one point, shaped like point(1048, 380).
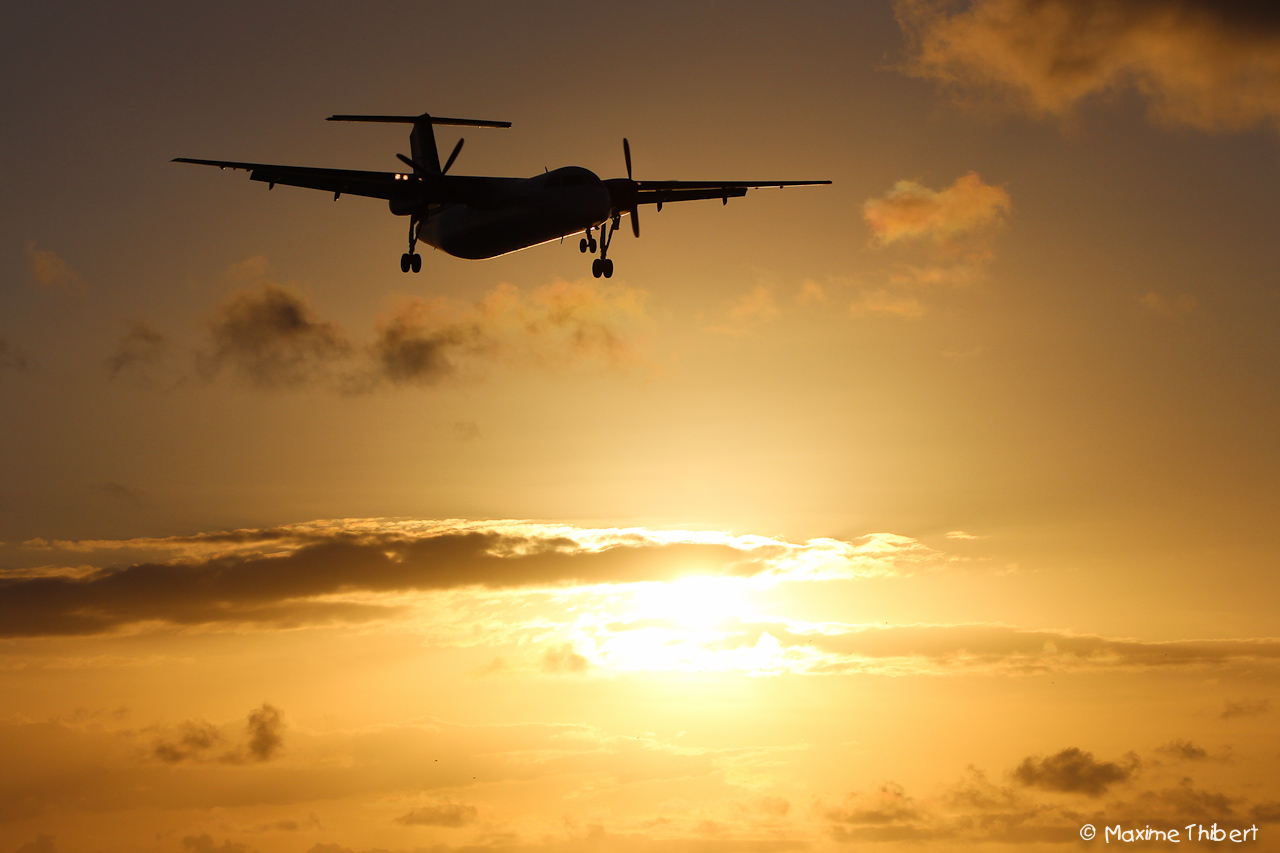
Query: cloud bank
point(1199, 63)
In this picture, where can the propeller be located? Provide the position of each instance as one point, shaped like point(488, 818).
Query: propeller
point(423, 170)
point(635, 208)
point(453, 156)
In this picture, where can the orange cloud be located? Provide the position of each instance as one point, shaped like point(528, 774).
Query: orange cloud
point(50, 270)
point(889, 304)
point(912, 211)
point(953, 227)
point(1208, 65)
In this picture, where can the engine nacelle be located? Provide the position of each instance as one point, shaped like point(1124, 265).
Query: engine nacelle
point(405, 206)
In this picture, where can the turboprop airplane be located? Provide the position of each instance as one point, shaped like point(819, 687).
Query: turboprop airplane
point(482, 217)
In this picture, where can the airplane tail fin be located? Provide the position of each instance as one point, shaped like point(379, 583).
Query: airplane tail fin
point(422, 140)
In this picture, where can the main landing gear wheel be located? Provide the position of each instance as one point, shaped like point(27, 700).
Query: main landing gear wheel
point(602, 267)
point(411, 262)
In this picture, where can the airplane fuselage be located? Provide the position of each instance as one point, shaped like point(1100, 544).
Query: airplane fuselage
point(518, 213)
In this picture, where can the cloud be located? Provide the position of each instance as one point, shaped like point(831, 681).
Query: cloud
point(950, 229)
point(204, 844)
point(911, 211)
point(563, 659)
point(444, 813)
point(49, 270)
point(301, 574)
point(195, 739)
point(1183, 750)
point(41, 844)
point(1245, 708)
point(1167, 306)
point(265, 733)
point(1072, 771)
point(199, 740)
point(268, 335)
point(62, 770)
point(138, 353)
point(124, 493)
point(1206, 64)
point(882, 302)
point(12, 358)
point(271, 338)
point(753, 309)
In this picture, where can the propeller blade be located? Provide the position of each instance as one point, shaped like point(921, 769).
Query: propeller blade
point(417, 167)
point(453, 156)
point(626, 152)
point(635, 221)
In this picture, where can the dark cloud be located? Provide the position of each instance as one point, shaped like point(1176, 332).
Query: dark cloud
point(275, 589)
point(1206, 64)
point(121, 492)
point(1074, 772)
point(270, 338)
point(1183, 750)
point(414, 347)
point(198, 740)
point(889, 809)
point(266, 733)
point(204, 844)
point(138, 353)
point(195, 739)
point(1245, 708)
point(12, 358)
point(1266, 812)
point(1185, 802)
point(447, 814)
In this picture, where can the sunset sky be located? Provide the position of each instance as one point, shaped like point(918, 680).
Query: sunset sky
point(935, 509)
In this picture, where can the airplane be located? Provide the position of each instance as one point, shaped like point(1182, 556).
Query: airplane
point(478, 217)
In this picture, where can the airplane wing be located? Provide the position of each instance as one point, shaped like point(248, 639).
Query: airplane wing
point(661, 192)
point(385, 185)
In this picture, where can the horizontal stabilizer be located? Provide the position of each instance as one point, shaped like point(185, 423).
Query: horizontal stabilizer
point(453, 122)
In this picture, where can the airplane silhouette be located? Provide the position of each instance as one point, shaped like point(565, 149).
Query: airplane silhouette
point(478, 217)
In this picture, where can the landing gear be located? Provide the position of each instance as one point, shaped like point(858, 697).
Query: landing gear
point(587, 243)
point(411, 260)
point(602, 266)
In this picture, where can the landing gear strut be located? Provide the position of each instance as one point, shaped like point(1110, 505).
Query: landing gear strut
point(602, 266)
point(411, 260)
point(587, 243)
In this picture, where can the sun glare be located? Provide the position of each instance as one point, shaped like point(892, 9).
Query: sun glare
point(692, 603)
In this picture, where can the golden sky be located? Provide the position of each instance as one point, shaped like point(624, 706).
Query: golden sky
point(934, 509)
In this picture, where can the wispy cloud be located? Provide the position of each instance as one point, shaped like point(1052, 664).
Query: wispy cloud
point(444, 813)
point(1233, 709)
point(947, 234)
point(1199, 63)
point(270, 336)
point(48, 269)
